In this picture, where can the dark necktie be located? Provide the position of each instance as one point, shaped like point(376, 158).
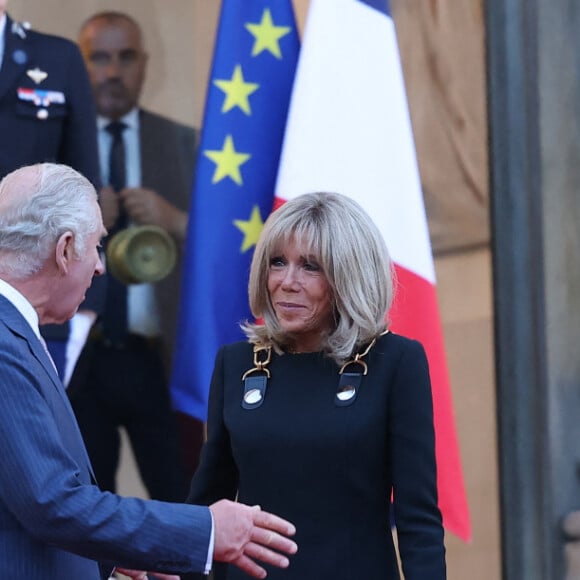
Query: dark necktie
point(117, 166)
point(115, 316)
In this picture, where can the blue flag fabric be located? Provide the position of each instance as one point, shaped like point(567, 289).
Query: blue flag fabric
point(380, 5)
point(254, 62)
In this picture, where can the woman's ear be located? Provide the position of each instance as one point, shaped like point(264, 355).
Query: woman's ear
point(64, 252)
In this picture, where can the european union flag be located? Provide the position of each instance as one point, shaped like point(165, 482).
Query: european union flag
point(251, 80)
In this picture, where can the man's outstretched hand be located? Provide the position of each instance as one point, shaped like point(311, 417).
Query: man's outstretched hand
point(244, 534)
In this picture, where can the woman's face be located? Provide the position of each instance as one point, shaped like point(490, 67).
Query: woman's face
point(300, 295)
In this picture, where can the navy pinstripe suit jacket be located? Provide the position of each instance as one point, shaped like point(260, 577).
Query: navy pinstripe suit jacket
point(54, 521)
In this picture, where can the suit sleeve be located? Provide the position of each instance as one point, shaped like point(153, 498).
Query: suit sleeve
point(412, 456)
point(188, 138)
point(44, 490)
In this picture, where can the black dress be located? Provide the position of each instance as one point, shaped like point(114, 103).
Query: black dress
point(329, 469)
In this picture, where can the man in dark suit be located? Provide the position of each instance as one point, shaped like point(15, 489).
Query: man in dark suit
point(46, 112)
point(123, 382)
point(54, 520)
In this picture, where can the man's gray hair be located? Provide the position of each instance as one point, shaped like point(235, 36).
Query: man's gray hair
point(56, 200)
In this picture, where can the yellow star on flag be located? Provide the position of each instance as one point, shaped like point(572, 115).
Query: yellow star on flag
point(267, 35)
point(227, 161)
point(237, 91)
point(250, 228)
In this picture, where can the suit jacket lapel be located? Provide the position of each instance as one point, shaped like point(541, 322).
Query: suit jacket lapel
point(14, 52)
point(153, 172)
point(14, 320)
point(147, 176)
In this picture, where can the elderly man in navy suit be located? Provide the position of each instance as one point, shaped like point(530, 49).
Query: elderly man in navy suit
point(47, 114)
point(55, 523)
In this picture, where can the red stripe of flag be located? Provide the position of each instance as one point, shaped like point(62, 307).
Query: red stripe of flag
point(415, 314)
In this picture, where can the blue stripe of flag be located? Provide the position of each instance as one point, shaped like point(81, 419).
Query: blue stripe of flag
point(380, 5)
point(216, 262)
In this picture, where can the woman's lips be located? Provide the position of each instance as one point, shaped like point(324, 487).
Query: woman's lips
point(289, 305)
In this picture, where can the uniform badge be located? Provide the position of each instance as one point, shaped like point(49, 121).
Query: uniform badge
point(41, 99)
point(20, 28)
point(19, 56)
point(36, 75)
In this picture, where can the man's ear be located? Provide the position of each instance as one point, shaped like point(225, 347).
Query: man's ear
point(64, 252)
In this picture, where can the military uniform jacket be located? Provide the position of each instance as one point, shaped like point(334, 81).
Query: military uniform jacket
point(46, 104)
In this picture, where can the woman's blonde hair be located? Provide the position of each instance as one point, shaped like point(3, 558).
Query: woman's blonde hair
point(351, 251)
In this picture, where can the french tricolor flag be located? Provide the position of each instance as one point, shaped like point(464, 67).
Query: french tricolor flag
point(349, 131)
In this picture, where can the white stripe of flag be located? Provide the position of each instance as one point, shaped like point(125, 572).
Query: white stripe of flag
point(349, 131)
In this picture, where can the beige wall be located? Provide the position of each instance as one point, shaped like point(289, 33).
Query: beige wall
point(179, 37)
point(465, 300)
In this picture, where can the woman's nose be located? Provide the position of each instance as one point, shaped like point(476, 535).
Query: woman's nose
point(291, 278)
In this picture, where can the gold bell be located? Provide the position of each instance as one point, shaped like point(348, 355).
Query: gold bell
point(141, 254)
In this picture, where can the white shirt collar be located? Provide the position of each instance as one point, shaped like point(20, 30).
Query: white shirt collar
point(131, 119)
point(21, 304)
point(2, 41)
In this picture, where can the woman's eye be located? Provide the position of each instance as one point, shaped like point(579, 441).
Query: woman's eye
point(276, 261)
point(311, 267)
